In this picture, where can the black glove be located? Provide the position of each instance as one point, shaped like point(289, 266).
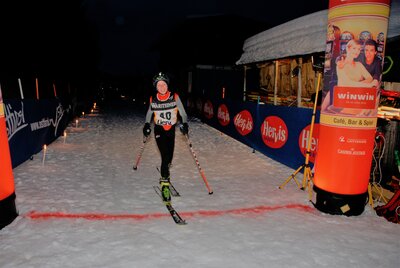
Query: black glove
point(184, 128)
point(146, 129)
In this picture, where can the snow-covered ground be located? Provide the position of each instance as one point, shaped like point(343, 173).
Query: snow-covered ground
point(98, 212)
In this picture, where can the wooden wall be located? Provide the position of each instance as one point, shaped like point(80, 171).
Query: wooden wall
point(287, 80)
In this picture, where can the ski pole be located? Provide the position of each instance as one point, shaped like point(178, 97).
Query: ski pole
point(139, 156)
point(210, 191)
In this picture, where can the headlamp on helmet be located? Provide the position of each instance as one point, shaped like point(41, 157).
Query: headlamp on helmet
point(160, 77)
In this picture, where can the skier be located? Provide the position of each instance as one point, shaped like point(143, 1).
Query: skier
point(165, 106)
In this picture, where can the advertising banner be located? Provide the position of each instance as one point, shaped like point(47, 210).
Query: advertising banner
point(33, 123)
point(356, 35)
point(279, 132)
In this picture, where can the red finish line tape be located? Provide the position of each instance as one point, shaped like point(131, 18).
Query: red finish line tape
point(204, 213)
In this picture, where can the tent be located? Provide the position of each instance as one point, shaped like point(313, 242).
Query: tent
point(301, 36)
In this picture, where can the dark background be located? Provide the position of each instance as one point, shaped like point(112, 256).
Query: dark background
point(79, 45)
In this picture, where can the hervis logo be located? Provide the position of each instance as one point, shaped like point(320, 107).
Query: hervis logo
point(199, 104)
point(208, 110)
point(274, 132)
point(223, 115)
point(303, 141)
point(243, 122)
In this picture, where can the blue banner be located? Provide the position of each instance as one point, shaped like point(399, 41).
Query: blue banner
point(31, 124)
point(279, 132)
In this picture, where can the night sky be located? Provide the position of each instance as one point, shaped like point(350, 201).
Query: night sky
point(82, 40)
point(114, 36)
point(46, 38)
point(127, 29)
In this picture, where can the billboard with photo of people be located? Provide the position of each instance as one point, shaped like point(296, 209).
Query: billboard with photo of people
point(356, 36)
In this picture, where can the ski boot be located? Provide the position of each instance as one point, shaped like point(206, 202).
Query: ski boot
point(165, 191)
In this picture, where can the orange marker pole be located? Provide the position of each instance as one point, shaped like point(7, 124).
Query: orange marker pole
point(54, 89)
point(37, 89)
point(8, 210)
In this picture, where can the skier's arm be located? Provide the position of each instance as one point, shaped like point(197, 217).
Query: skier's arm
point(149, 113)
point(146, 127)
point(181, 109)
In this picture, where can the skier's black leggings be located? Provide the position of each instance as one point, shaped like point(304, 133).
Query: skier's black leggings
point(166, 143)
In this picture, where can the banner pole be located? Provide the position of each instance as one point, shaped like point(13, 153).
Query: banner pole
point(20, 89)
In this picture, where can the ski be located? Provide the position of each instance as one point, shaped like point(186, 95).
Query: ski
point(174, 214)
point(174, 192)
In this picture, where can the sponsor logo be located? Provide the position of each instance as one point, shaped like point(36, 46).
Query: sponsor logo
point(352, 140)
point(208, 110)
point(223, 115)
point(46, 122)
point(303, 141)
point(351, 97)
point(243, 122)
point(199, 104)
point(350, 152)
point(15, 120)
point(163, 106)
point(163, 123)
point(274, 132)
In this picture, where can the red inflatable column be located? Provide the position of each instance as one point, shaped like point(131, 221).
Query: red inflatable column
point(8, 210)
point(352, 74)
